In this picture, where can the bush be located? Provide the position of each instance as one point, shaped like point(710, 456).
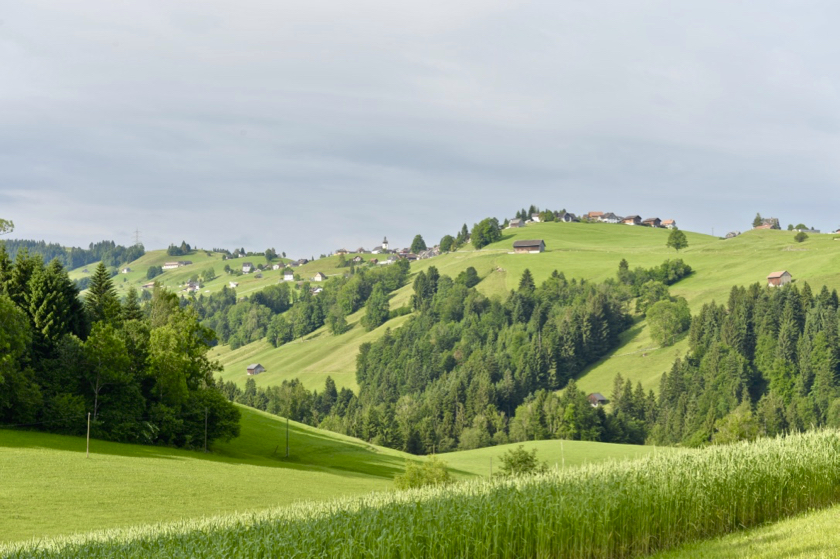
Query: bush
point(519, 462)
point(800, 237)
point(432, 472)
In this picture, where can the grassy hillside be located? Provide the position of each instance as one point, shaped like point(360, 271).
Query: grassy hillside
point(579, 250)
point(49, 487)
point(812, 535)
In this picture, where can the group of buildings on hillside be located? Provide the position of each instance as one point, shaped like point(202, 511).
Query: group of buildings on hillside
point(600, 217)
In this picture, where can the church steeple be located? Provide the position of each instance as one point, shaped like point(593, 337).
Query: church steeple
point(385, 243)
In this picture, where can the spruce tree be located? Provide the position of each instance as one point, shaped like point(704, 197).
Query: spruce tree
point(376, 308)
point(131, 305)
point(101, 302)
point(526, 284)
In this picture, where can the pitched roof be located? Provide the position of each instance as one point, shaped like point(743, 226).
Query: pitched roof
point(667, 221)
point(778, 274)
point(524, 244)
point(254, 366)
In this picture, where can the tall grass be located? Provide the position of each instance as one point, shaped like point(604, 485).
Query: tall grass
point(622, 509)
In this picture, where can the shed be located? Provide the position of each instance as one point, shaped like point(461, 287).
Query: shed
point(515, 223)
point(320, 277)
point(255, 369)
point(597, 399)
point(778, 279)
point(533, 246)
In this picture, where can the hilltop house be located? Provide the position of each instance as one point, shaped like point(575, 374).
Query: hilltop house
point(247, 267)
point(568, 217)
point(360, 250)
point(610, 217)
point(233, 284)
point(125, 271)
point(341, 252)
point(320, 277)
point(632, 220)
point(596, 399)
point(288, 274)
point(594, 216)
point(535, 218)
point(515, 223)
point(529, 247)
point(255, 369)
point(652, 222)
point(769, 223)
point(669, 224)
point(778, 279)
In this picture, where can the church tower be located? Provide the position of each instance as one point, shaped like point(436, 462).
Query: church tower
point(385, 243)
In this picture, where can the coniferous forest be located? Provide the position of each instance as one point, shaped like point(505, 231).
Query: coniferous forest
point(141, 372)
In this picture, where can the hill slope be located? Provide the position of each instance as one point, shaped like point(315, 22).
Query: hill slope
point(49, 488)
point(579, 250)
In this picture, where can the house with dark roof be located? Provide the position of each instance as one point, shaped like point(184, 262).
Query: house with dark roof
point(320, 277)
point(568, 218)
point(632, 220)
point(529, 247)
point(610, 217)
point(597, 399)
point(288, 274)
point(247, 267)
point(515, 223)
point(255, 369)
point(652, 222)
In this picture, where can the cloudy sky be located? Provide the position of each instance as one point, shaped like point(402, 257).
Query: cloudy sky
point(309, 126)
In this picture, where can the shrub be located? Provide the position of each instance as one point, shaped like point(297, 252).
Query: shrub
point(432, 472)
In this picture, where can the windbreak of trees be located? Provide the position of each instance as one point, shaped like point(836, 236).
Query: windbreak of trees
point(766, 363)
point(108, 252)
point(141, 372)
point(281, 313)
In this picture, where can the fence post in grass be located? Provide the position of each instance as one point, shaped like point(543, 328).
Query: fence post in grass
point(287, 437)
point(87, 451)
point(205, 429)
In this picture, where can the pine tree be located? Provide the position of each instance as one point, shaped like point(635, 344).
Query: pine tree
point(101, 302)
point(131, 306)
point(526, 283)
point(376, 308)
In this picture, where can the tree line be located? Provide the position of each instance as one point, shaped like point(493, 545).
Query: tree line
point(141, 372)
point(108, 252)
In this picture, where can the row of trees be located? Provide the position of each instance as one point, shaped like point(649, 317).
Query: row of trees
point(142, 372)
point(281, 313)
point(108, 252)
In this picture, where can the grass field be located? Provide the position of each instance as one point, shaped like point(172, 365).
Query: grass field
point(809, 536)
point(49, 488)
point(617, 510)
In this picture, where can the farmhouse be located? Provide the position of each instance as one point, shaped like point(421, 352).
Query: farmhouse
point(535, 218)
point(288, 274)
point(276, 266)
point(525, 247)
point(341, 251)
point(173, 265)
point(357, 260)
point(247, 267)
point(778, 279)
point(149, 285)
point(669, 224)
point(609, 217)
point(568, 217)
point(515, 223)
point(255, 369)
point(594, 216)
point(597, 399)
point(652, 222)
point(632, 220)
point(126, 271)
point(320, 277)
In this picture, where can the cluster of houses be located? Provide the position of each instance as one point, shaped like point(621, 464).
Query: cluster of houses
point(395, 254)
point(174, 265)
point(601, 217)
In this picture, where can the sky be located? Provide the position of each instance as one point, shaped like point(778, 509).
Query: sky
point(326, 124)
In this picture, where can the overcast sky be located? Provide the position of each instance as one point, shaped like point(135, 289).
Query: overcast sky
point(310, 126)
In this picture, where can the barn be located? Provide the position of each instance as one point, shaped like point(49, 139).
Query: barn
point(527, 247)
point(778, 279)
point(255, 369)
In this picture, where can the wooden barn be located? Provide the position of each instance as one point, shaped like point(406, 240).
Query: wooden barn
point(778, 279)
point(526, 247)
point(255, 369)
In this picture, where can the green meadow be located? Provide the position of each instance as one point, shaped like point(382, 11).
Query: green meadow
point(50, 488)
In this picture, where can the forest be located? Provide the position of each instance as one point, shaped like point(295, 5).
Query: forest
point(141, 372)
point(112, 254)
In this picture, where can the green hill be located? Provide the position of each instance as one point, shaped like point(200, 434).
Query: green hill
point(49, 488)
point(579, 250)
